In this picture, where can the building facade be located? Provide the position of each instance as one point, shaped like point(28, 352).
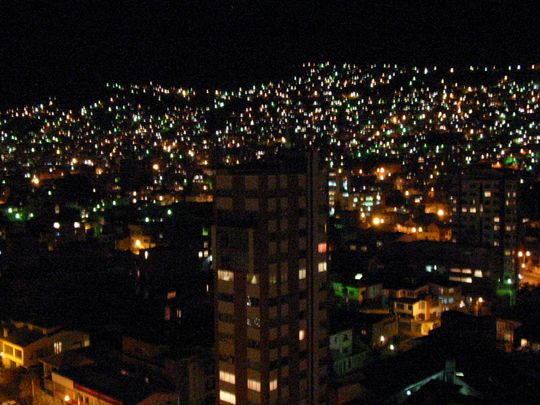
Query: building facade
point(485, 213)
point(269, 253)
point(23, 344)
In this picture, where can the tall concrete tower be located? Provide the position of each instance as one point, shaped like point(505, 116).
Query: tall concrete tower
point(269, 252)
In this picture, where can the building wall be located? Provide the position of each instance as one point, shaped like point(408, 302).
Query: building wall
point(17, 356)
point(67, 391)
point(270, 260)
point(484, 213)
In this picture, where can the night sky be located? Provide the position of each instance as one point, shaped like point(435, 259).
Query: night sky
point(71, 49)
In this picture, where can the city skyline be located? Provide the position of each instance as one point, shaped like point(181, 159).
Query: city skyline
point(245, 202)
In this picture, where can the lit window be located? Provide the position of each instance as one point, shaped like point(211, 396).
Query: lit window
point(487, 193)
point(57, 347)
point(227, 377)
point(273, 384)
point(301, 334)
point(227, 396)
point(225, 275)
point(322, 267)
point(321, 248)
point(302, 274)
point(252, 279)
point(254, 385)
point(478, 273)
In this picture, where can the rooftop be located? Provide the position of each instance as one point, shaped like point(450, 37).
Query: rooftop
point(23, 337)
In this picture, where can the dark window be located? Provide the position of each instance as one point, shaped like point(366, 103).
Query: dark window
point(226, 297)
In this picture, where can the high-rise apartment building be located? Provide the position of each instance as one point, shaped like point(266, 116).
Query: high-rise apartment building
point(484, 205)
point(269, 252)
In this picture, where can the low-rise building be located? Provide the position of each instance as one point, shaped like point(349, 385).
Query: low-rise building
point(95, 385)
point(418, 316)
point(448, 293)
point(23, 344)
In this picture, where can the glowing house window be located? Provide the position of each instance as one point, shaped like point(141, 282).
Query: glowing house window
point(227, 377)
point(254, 385)
point(57, 347)
point(225, 275)
point(227, 396)
point(302, 274)
point(322, 267)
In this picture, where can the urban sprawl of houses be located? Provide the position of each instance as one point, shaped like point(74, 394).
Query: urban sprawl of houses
point(354, 234)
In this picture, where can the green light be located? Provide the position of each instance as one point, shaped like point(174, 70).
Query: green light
point(169, 212)
point(146, 219)
point(205, 231)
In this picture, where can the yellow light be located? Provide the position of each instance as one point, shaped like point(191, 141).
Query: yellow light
point(67, 398)
point(520, 254)
point(155, 166)
point(35, 181)
point(138, 243)
point(56, 225)
point(376, 221)
point(440, 212)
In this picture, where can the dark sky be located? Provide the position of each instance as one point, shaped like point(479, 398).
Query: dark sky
point(70, 49)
